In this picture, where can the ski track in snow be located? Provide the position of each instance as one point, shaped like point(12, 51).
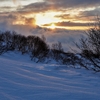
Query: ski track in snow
point(22, 79)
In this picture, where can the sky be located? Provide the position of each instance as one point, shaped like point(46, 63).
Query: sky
point(61, 18)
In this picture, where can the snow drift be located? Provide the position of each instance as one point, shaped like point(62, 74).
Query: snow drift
point(22, 79)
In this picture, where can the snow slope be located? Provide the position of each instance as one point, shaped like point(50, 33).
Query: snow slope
point(22, 79)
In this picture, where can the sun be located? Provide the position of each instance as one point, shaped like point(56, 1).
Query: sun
point(52, 26)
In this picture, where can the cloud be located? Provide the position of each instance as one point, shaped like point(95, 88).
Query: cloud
point(64, 16)
point(13, 17)
point(4, 0)
point(30, 21)
point(17, 2)
point(59, 5)
point(14, 1)
point(37, 7)
point(68, 24)
point(66, 37)
point(7, 18)
point(7, 22)
point(74, 3)
point(90, 13)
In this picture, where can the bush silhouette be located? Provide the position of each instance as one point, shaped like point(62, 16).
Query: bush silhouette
point(90, 46)
point(32, 45)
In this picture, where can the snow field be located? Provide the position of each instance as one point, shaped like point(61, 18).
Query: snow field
point(22, 79)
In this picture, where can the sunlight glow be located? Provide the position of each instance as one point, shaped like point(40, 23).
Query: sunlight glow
point(49, 20)
point(52, 26)
point(46, 18)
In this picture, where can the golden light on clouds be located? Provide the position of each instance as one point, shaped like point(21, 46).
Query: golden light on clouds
point(53, 26)
point(19, 23)
point(49, 13)
point(46, 18)
point(53, 19)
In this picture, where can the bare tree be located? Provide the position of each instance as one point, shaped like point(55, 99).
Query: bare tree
point(90, 46)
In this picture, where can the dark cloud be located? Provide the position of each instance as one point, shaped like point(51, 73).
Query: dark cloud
point(37, 7)
point(74, 3)
point(7, 9)
point(68, 24)
point(60, 5)
point(7, 20)
point(94, 12)
point(64, 16)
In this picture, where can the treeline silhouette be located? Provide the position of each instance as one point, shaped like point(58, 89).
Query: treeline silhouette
point(35, 47)
point(39, 50)
point(32, 45)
